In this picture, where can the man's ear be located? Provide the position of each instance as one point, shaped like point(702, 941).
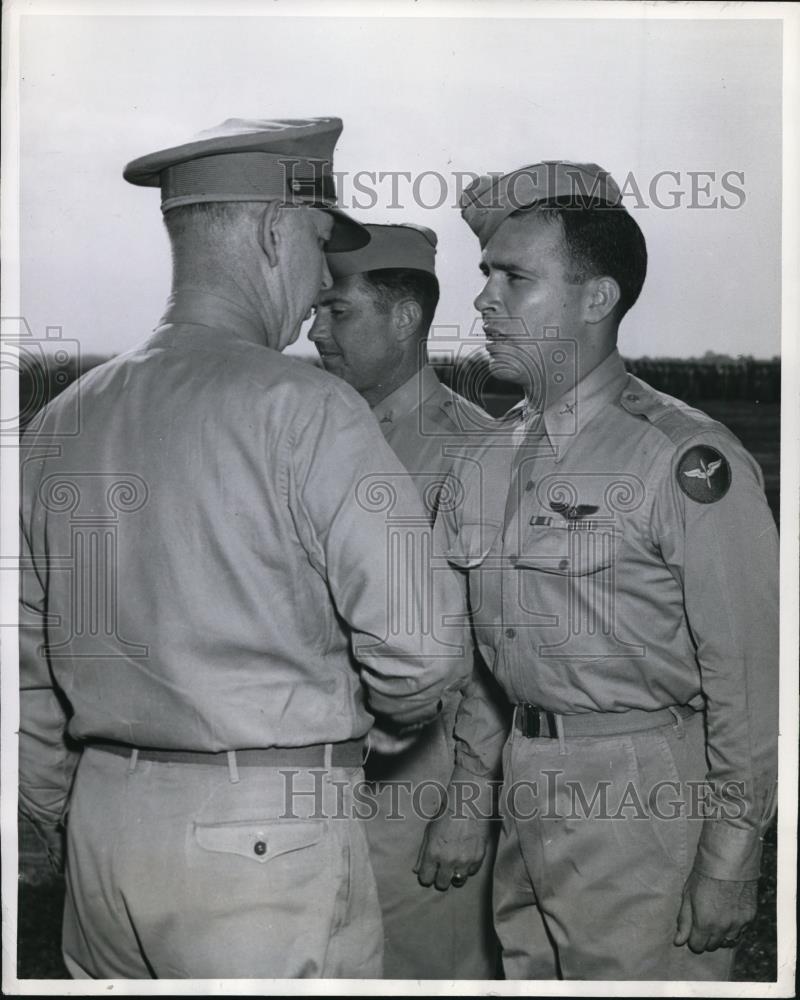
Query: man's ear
point(406, 317)
point(267, 231)
point(602, 295)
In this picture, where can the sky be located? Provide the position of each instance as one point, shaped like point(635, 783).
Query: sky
point(700, 99)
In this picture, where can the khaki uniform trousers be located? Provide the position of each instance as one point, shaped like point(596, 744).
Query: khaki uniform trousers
point(179, 870)
point(579, 895)
point(428, 934)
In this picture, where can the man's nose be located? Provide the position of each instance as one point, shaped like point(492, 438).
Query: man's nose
point(483, 300)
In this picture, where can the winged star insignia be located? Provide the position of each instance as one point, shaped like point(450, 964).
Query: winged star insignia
point(704, 474)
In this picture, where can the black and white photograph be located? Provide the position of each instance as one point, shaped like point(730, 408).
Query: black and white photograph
point(399, 456)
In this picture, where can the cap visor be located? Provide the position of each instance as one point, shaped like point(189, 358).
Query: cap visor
point(347, 234)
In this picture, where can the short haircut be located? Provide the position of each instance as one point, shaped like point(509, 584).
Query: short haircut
point(208, 216)
point(599, 240)
point(391, 284)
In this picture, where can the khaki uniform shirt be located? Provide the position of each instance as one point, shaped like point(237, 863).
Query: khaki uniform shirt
point(422, 420)
point(622, 556)
point(426, 424)
point(202, 559)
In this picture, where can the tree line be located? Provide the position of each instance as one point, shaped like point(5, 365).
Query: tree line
point(694, 380)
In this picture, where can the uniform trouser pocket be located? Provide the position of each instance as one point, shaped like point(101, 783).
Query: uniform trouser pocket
point(257, 840)
point(193, 876)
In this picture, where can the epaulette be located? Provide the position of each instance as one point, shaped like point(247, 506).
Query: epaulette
point(673, 418)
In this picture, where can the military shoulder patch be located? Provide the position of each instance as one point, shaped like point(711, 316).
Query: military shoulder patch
point(704, 474)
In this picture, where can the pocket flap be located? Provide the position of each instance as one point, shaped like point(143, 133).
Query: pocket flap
point(259, 840)
point(568, 552)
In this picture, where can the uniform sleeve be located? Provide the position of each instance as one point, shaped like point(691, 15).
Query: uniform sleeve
point(481, 725)
point(365, 529)
point(718, 536)
point(483, 716)
point(46, 761)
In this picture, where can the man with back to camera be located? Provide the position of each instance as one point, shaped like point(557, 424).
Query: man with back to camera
point(199, 572)
point(625, 560)
point(370, 329)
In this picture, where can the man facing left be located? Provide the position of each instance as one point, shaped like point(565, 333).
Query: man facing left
point(199, 567)
point(371, 329)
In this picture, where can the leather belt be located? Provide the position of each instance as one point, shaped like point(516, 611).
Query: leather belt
point(347, 754)
point(537, 723)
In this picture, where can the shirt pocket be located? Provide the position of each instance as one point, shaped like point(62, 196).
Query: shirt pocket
point(570, 551)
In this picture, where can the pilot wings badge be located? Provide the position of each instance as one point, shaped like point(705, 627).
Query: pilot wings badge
point(704, 474)
point(573, 513)
point(575, 516)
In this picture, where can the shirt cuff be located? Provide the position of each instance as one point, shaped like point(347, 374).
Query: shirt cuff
point(41, 818)
point(403, 715)
point(728, 853)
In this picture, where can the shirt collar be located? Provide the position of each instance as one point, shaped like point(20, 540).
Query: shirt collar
point(565, 418)
point(407, 397)
point(197, 307)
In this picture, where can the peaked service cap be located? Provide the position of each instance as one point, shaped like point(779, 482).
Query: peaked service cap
point(489, 200)
point(243, 159)
point(404, 246)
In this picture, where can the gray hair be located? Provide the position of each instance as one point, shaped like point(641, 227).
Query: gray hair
point(208, 218)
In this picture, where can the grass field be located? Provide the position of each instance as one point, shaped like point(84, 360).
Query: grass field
point(757, 426)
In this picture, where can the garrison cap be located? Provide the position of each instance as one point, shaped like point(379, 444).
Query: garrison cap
point(406, 246)
point(490, 199)
point(244, 159)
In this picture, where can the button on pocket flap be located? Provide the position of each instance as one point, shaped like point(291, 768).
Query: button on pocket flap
point(472, 544)
point(259, 840)
point(569, 552)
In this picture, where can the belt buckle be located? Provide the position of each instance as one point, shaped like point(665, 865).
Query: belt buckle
point(535, 722)
point(531, 721)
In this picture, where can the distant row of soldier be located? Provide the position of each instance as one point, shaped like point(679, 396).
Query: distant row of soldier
point(692, 381)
